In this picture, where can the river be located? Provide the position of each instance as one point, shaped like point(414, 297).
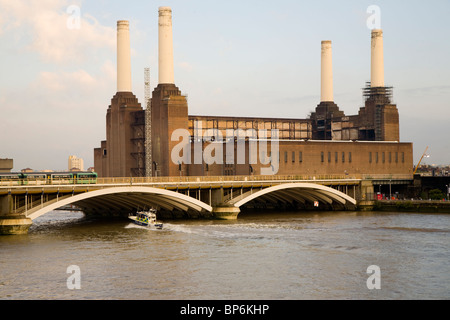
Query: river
point(270, 256)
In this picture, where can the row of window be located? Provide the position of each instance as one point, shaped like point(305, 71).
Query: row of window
point(390, 159)
point(347, 157)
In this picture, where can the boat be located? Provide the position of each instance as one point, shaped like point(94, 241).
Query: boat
point(146, 219)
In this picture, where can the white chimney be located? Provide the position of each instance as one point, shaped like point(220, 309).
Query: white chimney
point(377, 67)
point(327, 73)
point(166, 74)
point(123, 57)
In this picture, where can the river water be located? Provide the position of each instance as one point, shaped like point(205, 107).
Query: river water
point(271, 256)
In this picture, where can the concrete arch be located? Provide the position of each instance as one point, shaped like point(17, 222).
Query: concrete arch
point(121, 197)
point(297, 191)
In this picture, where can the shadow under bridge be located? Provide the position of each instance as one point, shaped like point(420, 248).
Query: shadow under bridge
point(120, 201)
point(294, 196)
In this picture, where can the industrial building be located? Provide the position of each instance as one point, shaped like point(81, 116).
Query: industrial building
point(141, 142)
point(6, 165)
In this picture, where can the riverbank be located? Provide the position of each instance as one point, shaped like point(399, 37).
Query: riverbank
point(419, 206)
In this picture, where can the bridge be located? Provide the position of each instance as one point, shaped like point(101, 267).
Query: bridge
point(180, 197)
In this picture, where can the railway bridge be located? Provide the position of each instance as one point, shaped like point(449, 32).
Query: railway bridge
point(178, 197)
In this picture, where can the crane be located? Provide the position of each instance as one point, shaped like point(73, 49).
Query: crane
point(424, 155)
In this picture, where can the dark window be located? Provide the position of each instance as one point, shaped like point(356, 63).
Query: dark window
point(285, 156)
point(343, 157)
point(293, 156)
point(329, 156)
point(300, 156)
point(321, 156)
point(370, 157)
point(349, 157)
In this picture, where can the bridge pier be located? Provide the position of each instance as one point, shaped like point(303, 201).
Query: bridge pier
point(226, 213)
point(14, 225)
point(10, 223)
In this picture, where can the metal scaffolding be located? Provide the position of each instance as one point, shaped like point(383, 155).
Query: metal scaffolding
point(148, 124)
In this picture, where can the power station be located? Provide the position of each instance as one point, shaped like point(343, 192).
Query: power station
point(140, 142)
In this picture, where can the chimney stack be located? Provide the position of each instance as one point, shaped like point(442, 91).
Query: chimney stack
point(123, 57)
point(166, 74)
point(377, 67)
point(327, 73)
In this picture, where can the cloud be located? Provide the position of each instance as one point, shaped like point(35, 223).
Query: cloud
point(44, 26)
point(66, 95)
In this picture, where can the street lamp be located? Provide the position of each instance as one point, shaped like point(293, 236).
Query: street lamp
point(390, 190)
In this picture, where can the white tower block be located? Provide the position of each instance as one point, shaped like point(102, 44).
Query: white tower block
point(327, 73)
point(123, 57)
point(166, 74)
point(377, 72)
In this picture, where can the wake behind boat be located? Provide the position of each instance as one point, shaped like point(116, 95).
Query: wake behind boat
point(146, 219)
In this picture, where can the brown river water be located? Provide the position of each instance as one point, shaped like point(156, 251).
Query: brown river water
point(270, 256)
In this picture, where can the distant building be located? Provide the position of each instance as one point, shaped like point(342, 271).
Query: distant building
point(76, 164)
point(6, 165)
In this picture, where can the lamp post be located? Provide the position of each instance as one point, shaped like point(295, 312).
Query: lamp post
point(390, 190)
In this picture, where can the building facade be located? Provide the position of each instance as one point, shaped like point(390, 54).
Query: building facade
point(329, 142)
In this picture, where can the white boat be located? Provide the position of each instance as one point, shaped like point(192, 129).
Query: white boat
point(146, 219)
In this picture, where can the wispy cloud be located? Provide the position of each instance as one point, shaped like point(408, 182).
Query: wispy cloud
point(42, 27)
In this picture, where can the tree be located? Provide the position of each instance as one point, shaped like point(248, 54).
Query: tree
point(436, 194)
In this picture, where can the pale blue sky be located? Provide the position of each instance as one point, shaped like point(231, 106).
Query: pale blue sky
point(242, 58)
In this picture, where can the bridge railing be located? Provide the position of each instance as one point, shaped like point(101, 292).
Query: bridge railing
point(151, 180)
point(218, 179)
point(184, 179)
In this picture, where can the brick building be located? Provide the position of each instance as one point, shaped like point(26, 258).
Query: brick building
point(327, 143)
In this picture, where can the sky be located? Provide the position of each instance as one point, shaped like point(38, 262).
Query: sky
point(253, 58)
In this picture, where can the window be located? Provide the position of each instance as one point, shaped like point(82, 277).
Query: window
point(403, 157)
point(300, 156)
point(321, 156)
point(329, 156)
point(349, 157)
point(390, 157)
point(383, 158)
point(285, 157)
point(293, 156)
point(370, 157)
point(376, 157)
point(336, 157)
point(396, 157)
point(343, 157)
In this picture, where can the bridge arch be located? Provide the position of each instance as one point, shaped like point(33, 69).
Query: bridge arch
point(299, 192)
point(125, 199)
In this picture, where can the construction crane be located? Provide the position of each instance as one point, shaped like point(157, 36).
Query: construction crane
point(423, 156)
